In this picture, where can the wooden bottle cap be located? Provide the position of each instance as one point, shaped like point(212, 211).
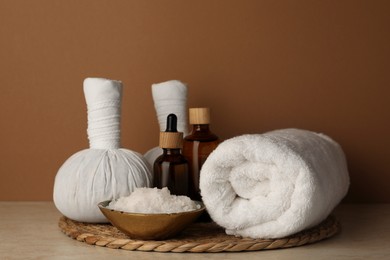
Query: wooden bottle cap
point(172, 140)
point(200, 116)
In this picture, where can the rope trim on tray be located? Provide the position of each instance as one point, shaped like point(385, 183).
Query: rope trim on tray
point(199, 238)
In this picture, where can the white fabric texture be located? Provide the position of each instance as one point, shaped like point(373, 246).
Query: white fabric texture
point(169, 97)
point(152, 155)
point(275, 184)
point(105, 171)
point(103, 99)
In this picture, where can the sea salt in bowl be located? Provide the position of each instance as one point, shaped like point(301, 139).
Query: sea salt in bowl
point(149, 226)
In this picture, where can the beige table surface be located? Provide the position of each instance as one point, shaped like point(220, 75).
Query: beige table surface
point(28, 230)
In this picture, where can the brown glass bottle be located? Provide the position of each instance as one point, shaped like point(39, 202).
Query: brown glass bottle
point(171, 168)
point(171, 171)
point(198, 145)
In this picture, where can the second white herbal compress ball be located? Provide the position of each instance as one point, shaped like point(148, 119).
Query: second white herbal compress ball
point(170, 97)
point(105, 171)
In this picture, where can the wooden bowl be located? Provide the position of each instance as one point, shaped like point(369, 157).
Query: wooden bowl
point(150, 226)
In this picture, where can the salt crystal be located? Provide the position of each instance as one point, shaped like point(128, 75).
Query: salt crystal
point(153, 200)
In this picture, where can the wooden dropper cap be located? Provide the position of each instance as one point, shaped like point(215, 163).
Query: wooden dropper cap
point(171, 138)
point(200, 116)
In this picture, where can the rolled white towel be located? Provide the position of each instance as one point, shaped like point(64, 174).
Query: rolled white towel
point(275, 184)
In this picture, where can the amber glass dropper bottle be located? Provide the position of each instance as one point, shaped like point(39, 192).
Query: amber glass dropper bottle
point(198, 145)
point(171, 168)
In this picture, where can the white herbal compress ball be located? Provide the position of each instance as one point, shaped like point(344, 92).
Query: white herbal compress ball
point(169, 97)
point(105, 171)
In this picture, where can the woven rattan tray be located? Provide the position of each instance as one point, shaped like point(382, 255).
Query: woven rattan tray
point(198, 238)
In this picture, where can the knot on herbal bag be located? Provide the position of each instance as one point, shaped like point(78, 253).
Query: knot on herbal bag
point(170, 97)
point(103, 99)
point(104, 125)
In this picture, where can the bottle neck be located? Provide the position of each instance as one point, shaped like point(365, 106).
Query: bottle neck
point(170, 151)
point(201, 133)
point(200, 128)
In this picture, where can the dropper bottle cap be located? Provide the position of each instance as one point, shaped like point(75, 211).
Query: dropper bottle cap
point(171, 138)
point(199, 116)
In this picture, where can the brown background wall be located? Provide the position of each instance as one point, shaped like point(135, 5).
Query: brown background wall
point(260, 65)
